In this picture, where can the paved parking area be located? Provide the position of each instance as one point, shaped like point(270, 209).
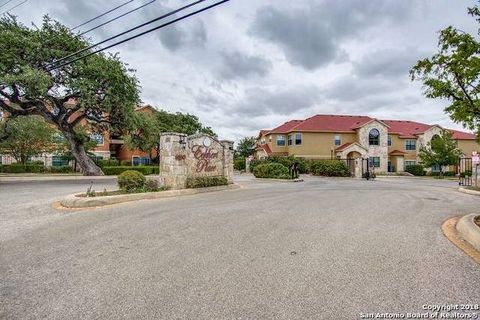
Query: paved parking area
point(322, 249)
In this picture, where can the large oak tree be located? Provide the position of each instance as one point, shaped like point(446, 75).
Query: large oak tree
point(453, 73)
point(99, 91)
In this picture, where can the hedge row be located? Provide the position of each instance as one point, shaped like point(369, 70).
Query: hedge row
point(113, 163)
point(239, 163)
point(416, 170)
point(34, 168)
point(271, 170)
point(204, 182)
point(332, 168)
point(146, 170)
point(329, 168)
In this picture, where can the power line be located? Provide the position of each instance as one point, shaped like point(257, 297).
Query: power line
point(3, 5)
point(18, 5)
point(103, 14)
point(141, 34)
point(128, 31)
point(117, 17)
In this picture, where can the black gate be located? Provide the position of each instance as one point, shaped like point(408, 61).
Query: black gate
point(365, 168)
point(464, 171)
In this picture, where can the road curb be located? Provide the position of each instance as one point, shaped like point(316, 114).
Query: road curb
point(468, 191)
point(469, 230)
point(449, 228)
point(279, 180)
point(75, 202)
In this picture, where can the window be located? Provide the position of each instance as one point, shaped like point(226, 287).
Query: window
point(374, 137)
point(141, 161)
point(281, 141)
point(410, 145)
point(97, 137)
point(389, 141)
point(436, 168)
point(409, 163)
point(58, 138)
point(58, 161)
point(374, 162)
point(290, 139)
point(298, 139)
point(338, 140)
point(262, 141)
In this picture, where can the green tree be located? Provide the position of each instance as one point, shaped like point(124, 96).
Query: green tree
point(246, 147)
point(63, 147)
point(98, 90)
point(452, 74)
point(440, 151)
point(148, 127)
point(26, 136)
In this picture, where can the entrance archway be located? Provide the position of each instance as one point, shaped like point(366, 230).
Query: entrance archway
point(351, 157)
point(354, 155)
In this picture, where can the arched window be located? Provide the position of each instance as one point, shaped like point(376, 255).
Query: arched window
point(435, 137)
point(374, 137)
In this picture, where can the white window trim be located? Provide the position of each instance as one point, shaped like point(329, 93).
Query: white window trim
point(284, 140)
point(335, 140)
point(295, 139)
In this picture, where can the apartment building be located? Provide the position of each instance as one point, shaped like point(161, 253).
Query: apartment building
point(109, 146)
point(390, 145)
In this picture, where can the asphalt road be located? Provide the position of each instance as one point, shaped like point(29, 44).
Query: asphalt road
point(322, 249)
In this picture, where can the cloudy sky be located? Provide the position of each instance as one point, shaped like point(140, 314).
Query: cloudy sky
point(249, 65)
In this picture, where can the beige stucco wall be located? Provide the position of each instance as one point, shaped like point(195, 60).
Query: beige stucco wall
point(318, 144)
point(399, 144)
point(467, 146)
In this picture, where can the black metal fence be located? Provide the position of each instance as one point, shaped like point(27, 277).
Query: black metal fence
point(464, 170)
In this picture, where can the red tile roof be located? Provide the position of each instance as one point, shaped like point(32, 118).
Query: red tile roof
point(345, 123)
point(460, 135)
point(266, 148)
point(324, 122)
point(406, 129)
point(286, 127)
point(344, 146)
point(397, 153)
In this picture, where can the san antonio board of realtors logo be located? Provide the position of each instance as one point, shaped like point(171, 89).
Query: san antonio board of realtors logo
point(205, 155)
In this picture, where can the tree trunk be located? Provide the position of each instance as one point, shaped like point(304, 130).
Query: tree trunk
point(87, 165)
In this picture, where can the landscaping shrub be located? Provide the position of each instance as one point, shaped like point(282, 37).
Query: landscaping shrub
point(152, 185)
point(61, 169)
point(445, 174)
point(125, 163)
point(303, 164)
point(467, 173)
point(146, 170)
point(329, 168)
point(34, 168)
point(204, 182)
point(271, 170)
point(38, 162)
point(416, 170)
point(239, 163)
point(131, 180)
point(20, 168)
point(108, 163)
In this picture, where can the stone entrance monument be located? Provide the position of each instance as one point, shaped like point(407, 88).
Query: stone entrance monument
point(199, 155)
